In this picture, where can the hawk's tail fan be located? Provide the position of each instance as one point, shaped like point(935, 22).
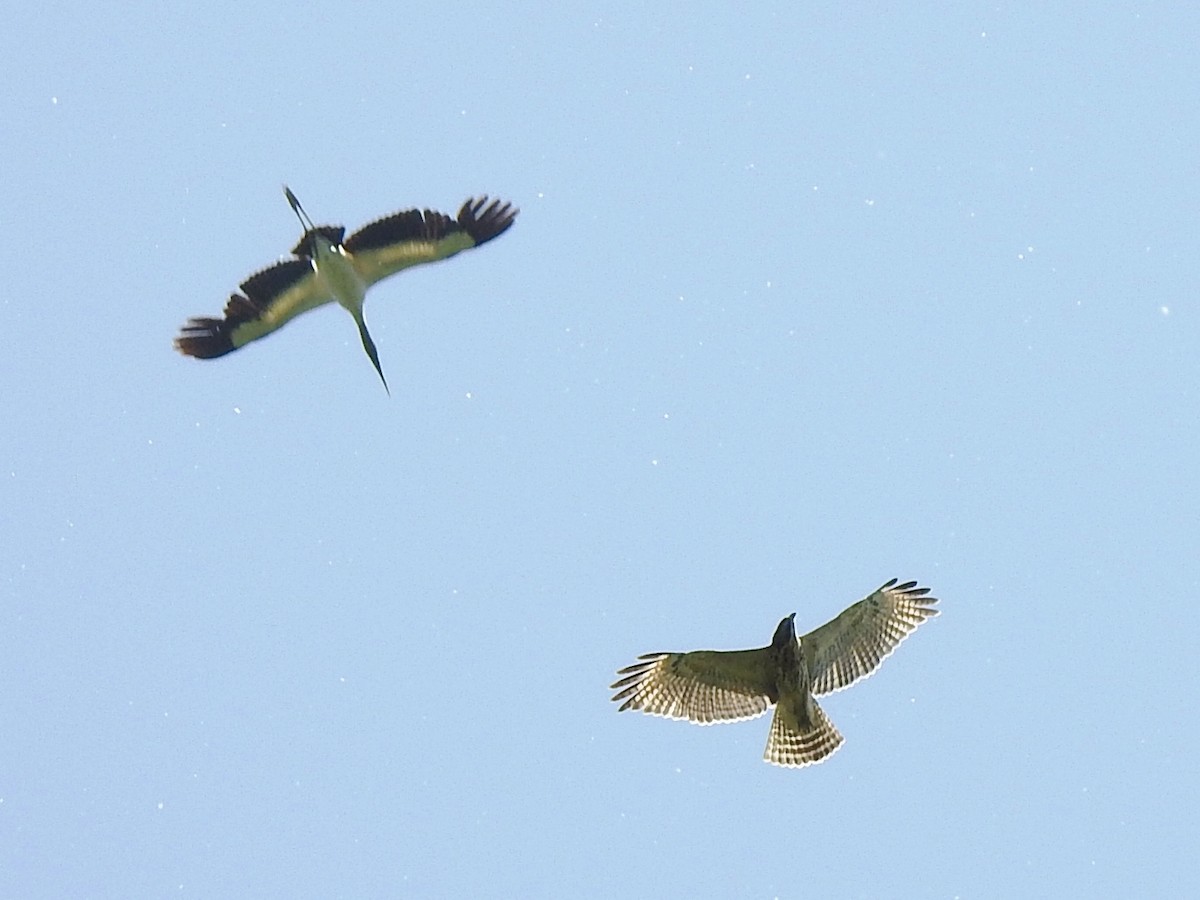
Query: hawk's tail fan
point(793, 742)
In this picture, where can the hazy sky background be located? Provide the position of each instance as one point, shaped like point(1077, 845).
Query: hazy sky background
point(800, 299)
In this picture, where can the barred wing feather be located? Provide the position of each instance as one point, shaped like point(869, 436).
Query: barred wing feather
point(704, 686)
point(852, 646)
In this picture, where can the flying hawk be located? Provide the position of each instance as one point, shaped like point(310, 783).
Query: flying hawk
point(325, 268)
point(707, 686)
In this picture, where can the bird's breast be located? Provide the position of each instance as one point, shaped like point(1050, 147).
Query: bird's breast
point(791, 673)
point(335, 269)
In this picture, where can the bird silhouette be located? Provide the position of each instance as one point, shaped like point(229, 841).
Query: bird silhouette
point(708, 686)
point(326, 268)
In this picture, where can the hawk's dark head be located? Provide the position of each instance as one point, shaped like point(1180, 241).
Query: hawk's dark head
point(785, 633)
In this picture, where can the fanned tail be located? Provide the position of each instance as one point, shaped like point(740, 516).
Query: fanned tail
point(794, 742)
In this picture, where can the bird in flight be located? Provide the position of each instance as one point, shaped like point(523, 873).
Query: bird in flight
point(707, 686)
point(326, 268)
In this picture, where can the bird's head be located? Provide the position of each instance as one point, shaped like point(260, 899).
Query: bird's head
point(318, 240)
point(786, 632)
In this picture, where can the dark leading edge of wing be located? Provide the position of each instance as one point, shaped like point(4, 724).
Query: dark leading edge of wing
point(207, 338)
point(332, 233)
point(415, 225)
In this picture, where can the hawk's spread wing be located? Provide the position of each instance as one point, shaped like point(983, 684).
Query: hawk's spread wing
point(704, 686)
point(853, 645)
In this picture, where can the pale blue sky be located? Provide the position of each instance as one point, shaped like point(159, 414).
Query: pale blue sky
point(800, 299)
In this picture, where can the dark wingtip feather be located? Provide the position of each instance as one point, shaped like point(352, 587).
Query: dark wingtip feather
point(207, 338)
point(483, 221)
point(204, 338)
point(917, 596)
point(480, 221)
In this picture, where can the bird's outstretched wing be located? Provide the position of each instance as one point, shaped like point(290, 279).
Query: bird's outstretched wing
point(410, 238)
point(703, 686)
point(852, 646)
point(793, 744)
point(269, 299)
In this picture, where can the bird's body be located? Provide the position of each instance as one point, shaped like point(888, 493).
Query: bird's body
point(708, 686)
point(327, 267)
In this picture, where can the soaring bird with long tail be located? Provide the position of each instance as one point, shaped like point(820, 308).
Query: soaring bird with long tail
point(327, 268)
